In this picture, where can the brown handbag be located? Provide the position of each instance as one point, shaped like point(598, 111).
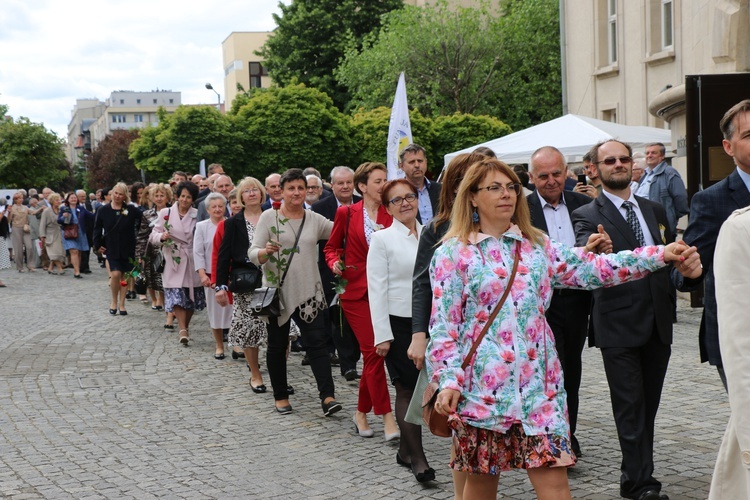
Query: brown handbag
point(70, 231)
point(437, 423)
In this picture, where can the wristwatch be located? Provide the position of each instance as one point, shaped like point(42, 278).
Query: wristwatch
point(220, 288)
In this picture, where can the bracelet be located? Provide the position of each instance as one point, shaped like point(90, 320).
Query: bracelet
point(219, 288)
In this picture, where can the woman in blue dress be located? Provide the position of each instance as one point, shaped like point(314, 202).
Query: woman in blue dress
point(73, 213)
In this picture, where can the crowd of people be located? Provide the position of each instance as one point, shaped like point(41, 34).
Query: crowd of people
point(406, 274)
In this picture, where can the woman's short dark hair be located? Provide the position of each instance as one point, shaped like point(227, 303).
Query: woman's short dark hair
point(191, 188)
point(362, 174)
point(134, 191)
point(293, 174)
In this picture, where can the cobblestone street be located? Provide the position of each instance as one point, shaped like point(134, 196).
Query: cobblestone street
point(100, 406)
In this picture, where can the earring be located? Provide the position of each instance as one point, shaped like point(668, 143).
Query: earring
point(475, 216)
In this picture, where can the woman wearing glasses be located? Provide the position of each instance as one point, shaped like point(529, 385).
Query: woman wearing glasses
point(390, 263)
point(508, 407)
point(346, 255)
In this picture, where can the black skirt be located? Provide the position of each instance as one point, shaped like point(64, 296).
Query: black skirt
point(400, 367)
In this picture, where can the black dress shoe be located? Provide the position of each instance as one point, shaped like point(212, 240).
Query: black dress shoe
point(305, 360)
point(351, 375)
point(123, 313)
point(331, 407)
point(334, 359)
point(113, 312)
point(260, 389)
point(424, 476)
point(289, 390)
point(86, 271)
point(650, 495)
point(237, 354)
point(284, 410)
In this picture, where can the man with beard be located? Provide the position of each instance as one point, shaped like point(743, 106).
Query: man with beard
point(631, 323)
point(314, 190)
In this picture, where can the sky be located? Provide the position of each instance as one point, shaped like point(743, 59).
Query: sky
point(54, 52)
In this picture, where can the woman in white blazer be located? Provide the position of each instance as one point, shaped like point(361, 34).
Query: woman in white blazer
point(390, 264)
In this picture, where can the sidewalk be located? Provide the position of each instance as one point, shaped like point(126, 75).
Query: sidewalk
point(96, 406)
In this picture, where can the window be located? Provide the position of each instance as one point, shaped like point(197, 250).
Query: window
point(122, 101)
point(611, 31)
point(666, 24)
point(154, 101)
point(138, 118)
point(257, 71)
point(609, 115)
point(171, 101)
point(137, 101)
point(118, 118)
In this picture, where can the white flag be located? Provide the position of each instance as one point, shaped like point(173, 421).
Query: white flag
point(202, 168)
point(399, 129)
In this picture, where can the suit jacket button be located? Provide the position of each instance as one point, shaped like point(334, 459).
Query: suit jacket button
point(746, 457)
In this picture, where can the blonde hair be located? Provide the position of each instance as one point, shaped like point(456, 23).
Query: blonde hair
point(52, 197)
point(164, 188)
point(462, 225)
point(121, 186)
point(249, 182)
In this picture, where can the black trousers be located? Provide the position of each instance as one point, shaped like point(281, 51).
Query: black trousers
point(568, 316)
point(636, 376)
point(343, 338)
point(314, 336)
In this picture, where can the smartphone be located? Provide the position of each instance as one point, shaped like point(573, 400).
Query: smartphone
point(582, 179)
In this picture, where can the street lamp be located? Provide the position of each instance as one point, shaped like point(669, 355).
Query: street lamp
point(211, 87)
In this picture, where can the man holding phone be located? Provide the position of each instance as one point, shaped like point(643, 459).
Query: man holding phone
point(568, 315)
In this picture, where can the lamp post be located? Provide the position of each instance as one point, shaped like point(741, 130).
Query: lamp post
point(211, 87)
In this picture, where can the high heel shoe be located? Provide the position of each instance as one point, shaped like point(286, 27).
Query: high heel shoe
point(401, 461)
point(367, 433)
point(391, 437)
point(184, 339)
point(424, 476)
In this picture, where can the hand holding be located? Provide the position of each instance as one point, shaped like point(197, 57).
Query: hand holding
point(673, 251)
point(165, 236)
point(272, 247)
point(447, 401)
point(689, 263)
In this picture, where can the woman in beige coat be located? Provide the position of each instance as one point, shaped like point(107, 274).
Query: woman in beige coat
point(51, 234)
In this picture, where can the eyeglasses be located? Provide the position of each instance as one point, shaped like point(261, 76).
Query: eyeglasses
point(314, 187)
point(513, 187)
point(611, 161)
point(251, 190)
point(398, 200)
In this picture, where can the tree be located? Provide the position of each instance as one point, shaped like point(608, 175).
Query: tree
point(370, 130)
point(293, 126)
point(449, 56)
point(109, 162)
point(311, 37)
point(182, 139)
point(30, 155)
point(459, 131)
point(532, 91)
point(460, 59)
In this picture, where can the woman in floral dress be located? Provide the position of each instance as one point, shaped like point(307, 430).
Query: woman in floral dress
point(508, 408)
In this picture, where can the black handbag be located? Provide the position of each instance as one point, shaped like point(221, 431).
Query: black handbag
point(245, 279)
point(159, 262)
point(265, 300)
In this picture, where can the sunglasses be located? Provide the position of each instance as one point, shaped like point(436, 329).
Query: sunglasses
point(611, 161)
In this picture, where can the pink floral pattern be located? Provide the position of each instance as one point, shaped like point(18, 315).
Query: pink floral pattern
point(515, 375)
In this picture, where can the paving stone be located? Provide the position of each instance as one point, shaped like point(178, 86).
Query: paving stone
point(96, 406)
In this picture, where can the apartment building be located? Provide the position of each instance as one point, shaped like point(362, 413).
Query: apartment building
point(92, 120)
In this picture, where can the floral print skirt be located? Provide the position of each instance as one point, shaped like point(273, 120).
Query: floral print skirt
point(181, 297)
point(482, 451)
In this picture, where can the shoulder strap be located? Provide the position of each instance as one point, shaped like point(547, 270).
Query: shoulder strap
point(496, 310)
point(291, 256)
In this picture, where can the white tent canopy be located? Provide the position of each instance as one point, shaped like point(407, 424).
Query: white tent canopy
point(573, 135)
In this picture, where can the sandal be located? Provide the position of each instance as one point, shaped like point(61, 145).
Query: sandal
point(169, 327)
point(184, 338)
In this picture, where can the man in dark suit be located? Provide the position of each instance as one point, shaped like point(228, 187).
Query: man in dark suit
point(273, 190)
point(551, 207)
point(631, 323)
point(708, 211)
point(342, 183)
point(413, 161)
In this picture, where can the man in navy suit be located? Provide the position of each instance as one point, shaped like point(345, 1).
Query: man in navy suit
point(708, 211)
point(342, 184)
point(568, 314)
point(413, 161)
point(631, 323)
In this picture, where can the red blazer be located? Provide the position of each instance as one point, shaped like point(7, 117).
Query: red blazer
point(356, 246)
